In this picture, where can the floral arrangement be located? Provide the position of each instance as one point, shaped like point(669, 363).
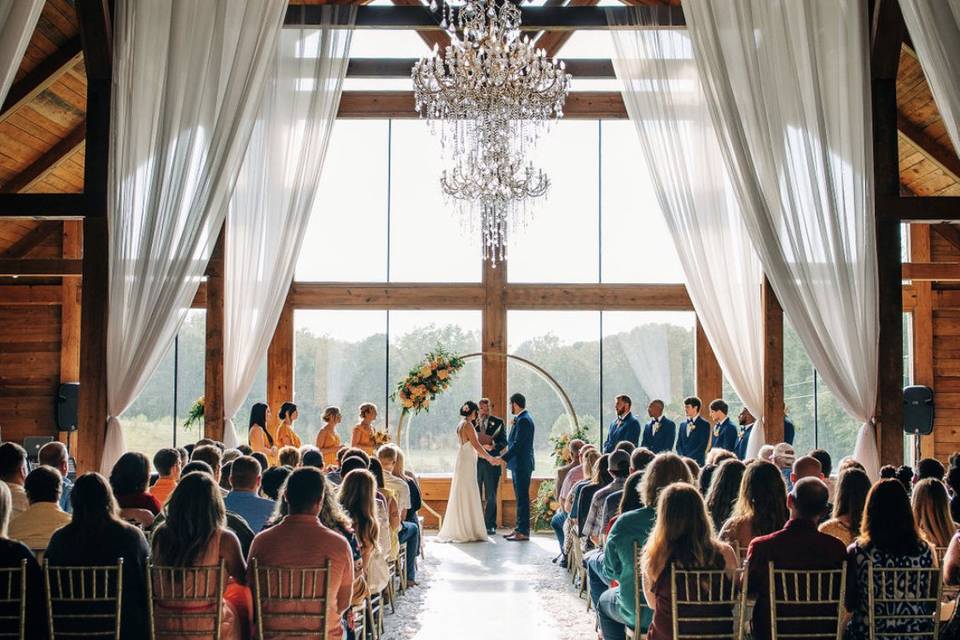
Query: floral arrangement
point(195, 415)
point(561, 443)
point(427, 380)
point(545, 506)
point(380, 438)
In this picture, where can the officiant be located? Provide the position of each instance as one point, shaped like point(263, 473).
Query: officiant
point(493, 437)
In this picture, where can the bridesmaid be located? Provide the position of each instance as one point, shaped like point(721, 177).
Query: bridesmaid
point(328, 441)
point(258, 437)
point(285, 435)
point(362, 436)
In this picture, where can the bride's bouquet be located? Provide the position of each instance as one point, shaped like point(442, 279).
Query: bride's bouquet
point(427, 380)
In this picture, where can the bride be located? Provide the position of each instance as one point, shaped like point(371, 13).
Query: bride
point(463, 521)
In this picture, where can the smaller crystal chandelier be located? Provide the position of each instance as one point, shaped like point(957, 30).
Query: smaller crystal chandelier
point(492, 94)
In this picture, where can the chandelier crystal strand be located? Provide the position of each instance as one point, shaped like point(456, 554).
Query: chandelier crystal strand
point(492, 95)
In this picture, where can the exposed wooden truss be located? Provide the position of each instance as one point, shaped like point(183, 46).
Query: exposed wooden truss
point(46, 163)
point(44, 75)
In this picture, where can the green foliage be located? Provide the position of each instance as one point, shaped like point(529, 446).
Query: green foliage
point(545, 506)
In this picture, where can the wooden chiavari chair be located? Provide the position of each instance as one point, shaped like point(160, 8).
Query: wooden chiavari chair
point(13, 601)
point(83, 602)
point(185, 602)
point(889, 589)
point(291, 602)
point(638, 600)
point(708, 604)
point(807, 604)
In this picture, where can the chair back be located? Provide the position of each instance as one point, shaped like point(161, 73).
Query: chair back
point(83, 601)
point(13, 601)
point(291, 601)
point(707, 604)
point(638, 600)
point(903, 603)
point(807, 603)
point(185, 602)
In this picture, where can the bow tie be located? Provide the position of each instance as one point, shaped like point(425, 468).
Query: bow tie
point(656, 426)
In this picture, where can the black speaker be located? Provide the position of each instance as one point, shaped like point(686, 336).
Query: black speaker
point(67, 400)
point(918, 410)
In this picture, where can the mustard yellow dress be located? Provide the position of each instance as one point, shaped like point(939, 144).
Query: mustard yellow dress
point(258, 441)
point(363, 438)
point(285, 436)
point(329, 443)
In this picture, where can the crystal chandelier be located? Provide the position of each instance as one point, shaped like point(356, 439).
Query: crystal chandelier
point(492, 94)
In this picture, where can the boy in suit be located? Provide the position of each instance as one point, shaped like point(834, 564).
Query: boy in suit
point(724, 431)
point(694, 435)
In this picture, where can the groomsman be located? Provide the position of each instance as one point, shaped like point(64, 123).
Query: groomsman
point(747, 421)
point(660, 433)
point(724, 431)
point(493, 438)
point(694, 434)
point(624, 427)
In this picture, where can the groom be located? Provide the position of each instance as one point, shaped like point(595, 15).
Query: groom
point(519, 460)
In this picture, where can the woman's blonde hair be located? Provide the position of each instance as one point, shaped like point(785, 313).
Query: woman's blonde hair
point(665, 470)
point(6, 504)
point(366, 408)
point(589, 461)
point(357, 496)
point(682, 534)
point(931, 510)
point(329, 412)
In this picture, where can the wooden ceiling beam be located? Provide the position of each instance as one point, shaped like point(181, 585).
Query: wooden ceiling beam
point(32, 239)
point(43, 206)
point(932, 271)
point(31, 294)
point(594, 68)
point(41, 267)
point(42, 166)
point(41, 77)
point(433, 39)
point(945, 159)
point(580, 105)
point(930, 209)
point(950, 233)
point(552, 41)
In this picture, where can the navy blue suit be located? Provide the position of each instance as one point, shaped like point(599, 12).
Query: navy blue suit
point(627, 429)
point(694, 444)
point(663, 439)
point(724, 435)
point(741, 447)
point(788, 430)
point(519, 459)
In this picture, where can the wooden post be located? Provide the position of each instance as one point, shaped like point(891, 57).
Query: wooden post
point(494, 346)
point(887, 38)
point(213, 410)
point(772, 365)
point(709, 375)
point(70, 317)
point(923, 373)
point(280, 363)
point(97, 35)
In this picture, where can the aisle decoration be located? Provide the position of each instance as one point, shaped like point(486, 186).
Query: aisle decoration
point(545, 506)
point(561, 443)
point(427, 380)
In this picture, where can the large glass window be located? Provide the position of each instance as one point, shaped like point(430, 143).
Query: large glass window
point(340, 360)
point(429, 439)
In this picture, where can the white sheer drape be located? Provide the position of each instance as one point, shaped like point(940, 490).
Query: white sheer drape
point(789, 90)
point(934, 27)
point(18, 19)
point(275, 194)
point(188, 77)
point(666, 104)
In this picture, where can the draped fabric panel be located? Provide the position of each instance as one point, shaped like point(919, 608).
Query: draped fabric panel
point(18, 19)
point(680, 148)
point(276, 192)
point(934, 27)
point(788, 87)
point(188, 77)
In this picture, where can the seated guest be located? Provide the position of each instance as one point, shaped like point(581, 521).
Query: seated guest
point(601, 478)
point(195, 534)
point(784, 456)
point(797, 546)
point(408, 534)
point(826, 466)
point(906, 477)
point(572, 483)
point(616, 606)
point(328, 440)
point(168, 465)
point(243, 499)
point(262, 459)
point(705, 477)
point(212, 456)
point(693, 466)
point(12, 554)
point(289, 457)
point(931, 510)
point(357, 497)
point(639, 460)
point(952, 480)
point(723, 491)
point(34, 526)
point(809, 467)
point(224, 476)
point(285, 435)
point(272, 481)
point(724, 431)
point(889, 538)
point(571, 454)
point(765, 453)
point(235, 522)
point(300, 540)
point(258, 437)
point(717, 456)
point(13, 473)
point(416, 498)
point(761, 507)
point(129, 479)
point(311, 458)
point(746, 421)
point(848, 510)
point(693, 436)
point(244, 449)
point(660, 433)
point(951, 562)
point(54, 454)
point(97, 537)
point(682, 536)
point(624, 427)
point(930, 468)
point(888, 471)
point(619, 469)
point(387, 455)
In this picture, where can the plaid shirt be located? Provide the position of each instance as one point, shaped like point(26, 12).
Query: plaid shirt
point(593, 525)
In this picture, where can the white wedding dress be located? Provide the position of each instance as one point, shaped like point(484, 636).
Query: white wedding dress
point(463, 521)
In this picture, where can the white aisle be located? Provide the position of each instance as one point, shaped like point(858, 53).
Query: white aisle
point(491, 590)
